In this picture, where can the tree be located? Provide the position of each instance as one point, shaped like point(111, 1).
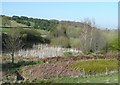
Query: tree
point(114, 45)
point(28, 23)
point(85, 35)
point(13, 42)
point(99, 40)
point(61, 41)
point(24, 18)
point(5, 21)
point(36, 26)
point(15, 17)
point(90, 36)
point(92, 25)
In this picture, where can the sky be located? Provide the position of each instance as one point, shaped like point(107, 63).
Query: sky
point(105, 14)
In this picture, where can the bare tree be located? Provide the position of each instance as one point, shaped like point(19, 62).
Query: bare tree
point(13, 42)
point(87, 36)
point(92, 24)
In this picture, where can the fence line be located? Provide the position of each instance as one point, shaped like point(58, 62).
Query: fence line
point(84, 74)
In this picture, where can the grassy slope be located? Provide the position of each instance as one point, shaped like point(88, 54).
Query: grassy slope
point(42, 32)
point(15, 24)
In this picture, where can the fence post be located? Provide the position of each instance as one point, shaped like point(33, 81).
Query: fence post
point(83, 72)
point(106, 71)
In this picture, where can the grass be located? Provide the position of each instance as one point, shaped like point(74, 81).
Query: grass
point(68, 54)
point(96, 66)
point(15, 24)
point(27, 29)
point(99, 79)
point(13, 67)
point(5, 30)
point(41, 31)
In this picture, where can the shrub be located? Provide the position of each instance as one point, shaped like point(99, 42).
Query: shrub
point(68, 54)
point(61, 41)
point(114, 45)
point(74, 42)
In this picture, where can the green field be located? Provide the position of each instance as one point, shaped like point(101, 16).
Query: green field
point(98, 79)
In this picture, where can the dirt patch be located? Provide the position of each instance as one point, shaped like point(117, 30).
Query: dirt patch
point(65, 59)
point(46, 71)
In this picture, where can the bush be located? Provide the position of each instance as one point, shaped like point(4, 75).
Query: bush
point(74, 42)
point(114, 45)
point(68, 54)
point(61, 41)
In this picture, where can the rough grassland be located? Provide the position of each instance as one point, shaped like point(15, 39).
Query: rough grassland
point(96, 66)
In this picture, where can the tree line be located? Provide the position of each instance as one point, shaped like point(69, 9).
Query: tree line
point(35, 22)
